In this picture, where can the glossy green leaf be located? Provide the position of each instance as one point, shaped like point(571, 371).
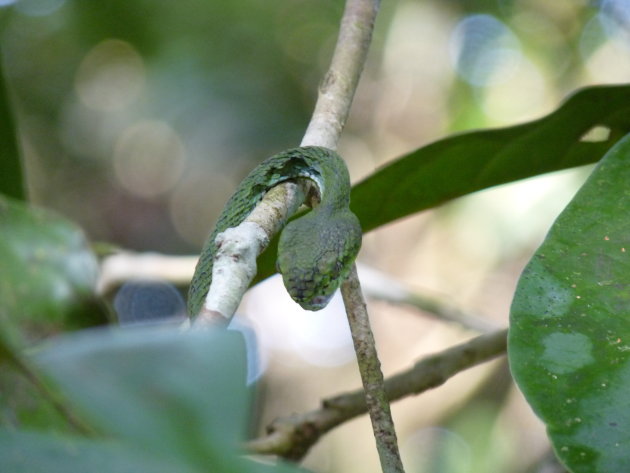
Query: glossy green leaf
point(569, 340)
point(48, 273)
point(461, 164)
point(173, 393)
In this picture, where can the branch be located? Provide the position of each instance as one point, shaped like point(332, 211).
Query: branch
point(331, 113)
point(120, 267)
point(381, 286)
point(340, 83)
point(235, 268)
point(375, 395)
point(234, 265)
point(123, 266)
point(291, 437)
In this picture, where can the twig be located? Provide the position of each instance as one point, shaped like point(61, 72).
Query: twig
point(331, 112)
point(328, 119)
point(381, 286)
point(340, 83)
point(292, 436)
point(123, 266)
point(330, 115)
point(234, 265)
point(371, 375)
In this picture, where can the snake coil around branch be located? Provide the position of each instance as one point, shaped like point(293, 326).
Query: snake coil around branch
point(315, 251)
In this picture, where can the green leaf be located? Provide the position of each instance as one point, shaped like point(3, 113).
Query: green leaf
point(30, 452)
point(461, 164)
point(173, 393)
point(11, 178)
point(49, 273)
point(569, 340)
point(22, 403)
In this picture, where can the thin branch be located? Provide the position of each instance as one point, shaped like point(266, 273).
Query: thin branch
point(291, 437)
point(331, 113)
point(371, 375)
point(234, 265)
point(340, 83)
point(329, 117)
point(123, 266)
point(381, 286)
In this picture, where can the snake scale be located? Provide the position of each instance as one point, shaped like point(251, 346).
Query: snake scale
point(315, 251)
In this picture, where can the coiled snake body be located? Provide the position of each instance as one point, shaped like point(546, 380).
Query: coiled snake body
point(315, 251)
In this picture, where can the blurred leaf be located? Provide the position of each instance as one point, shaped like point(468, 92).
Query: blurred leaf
point(570, 323)
point(24, 405)
point(26, 399)
point(461, 164)
point(31, 452)
point(26, 452)
point(48, 273)
point(11, 179)
point(173, 393)
point(172, 400)
point(19, 398)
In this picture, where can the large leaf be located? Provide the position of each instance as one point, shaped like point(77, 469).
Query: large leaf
point(465, 163)
point(569, 340)
point(469, 162)
point(171, 394)
point(21, 397)
point(29, 452)
point(47, 272)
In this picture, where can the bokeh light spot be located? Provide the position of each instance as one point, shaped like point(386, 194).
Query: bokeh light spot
point(111, 76)
point(149, 158)
point(609, 63)
point(615, 17)
point(149, 302)
point(525, 97)
point(484, 51)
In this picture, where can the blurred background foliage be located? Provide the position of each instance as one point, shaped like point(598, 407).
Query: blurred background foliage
point(143, 115)
point(137, 119)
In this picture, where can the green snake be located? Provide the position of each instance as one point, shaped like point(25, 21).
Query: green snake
point(315, 251)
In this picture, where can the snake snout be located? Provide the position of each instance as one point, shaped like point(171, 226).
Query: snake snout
point(316, 303)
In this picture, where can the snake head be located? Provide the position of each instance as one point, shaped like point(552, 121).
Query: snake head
point(315, 254)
